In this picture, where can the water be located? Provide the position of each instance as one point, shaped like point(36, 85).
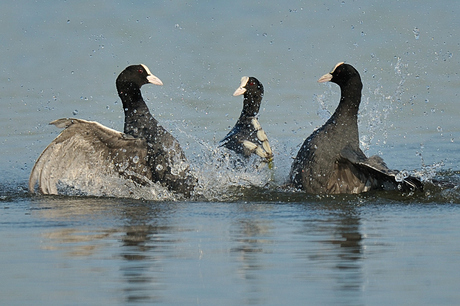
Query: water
point(241, 241)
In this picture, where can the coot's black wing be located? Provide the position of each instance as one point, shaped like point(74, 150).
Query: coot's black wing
point(247, 138)
point(375, 169)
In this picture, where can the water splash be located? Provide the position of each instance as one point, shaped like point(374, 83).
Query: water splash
point(323, 111)
point(221, 172)
point(115, 186)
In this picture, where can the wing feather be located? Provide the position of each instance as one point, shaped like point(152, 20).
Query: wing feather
point(87, 152)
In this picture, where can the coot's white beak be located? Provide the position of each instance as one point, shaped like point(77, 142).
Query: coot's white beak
point(150, 77)
point(154, 80)
point(325, 78)
point(241, 90)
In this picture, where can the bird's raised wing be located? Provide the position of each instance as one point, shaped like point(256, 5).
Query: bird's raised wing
point(85, 154)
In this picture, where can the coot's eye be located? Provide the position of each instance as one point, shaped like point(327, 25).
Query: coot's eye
point(251, 84)
point(140, 71)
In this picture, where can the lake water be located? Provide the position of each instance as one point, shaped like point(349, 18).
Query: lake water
point(244, 240)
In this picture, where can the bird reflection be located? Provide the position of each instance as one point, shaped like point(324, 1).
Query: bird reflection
point(139, 250)
point(340, 247)
point(252, 238)
point(141, 240)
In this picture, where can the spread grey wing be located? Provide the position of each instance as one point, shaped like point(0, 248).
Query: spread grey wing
point(86, 152)
point(378, 171)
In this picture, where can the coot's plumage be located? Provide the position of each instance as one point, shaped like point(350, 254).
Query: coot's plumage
point(247, 136)
point(330, 160)
point(85, 150)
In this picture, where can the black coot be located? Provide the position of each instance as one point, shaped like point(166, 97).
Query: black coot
point(247, 136)
point(330, 160)
point(87, 150)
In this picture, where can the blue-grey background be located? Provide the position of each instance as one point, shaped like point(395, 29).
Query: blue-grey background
point(61, 58)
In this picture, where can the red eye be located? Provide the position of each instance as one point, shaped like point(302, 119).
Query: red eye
point(252, 83)
point(140, 71)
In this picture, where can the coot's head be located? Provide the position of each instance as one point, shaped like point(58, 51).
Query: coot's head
point(138, 75)
point(342, 74)
point(249, 86)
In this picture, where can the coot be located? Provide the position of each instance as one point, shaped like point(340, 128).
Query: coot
point(330, 160)
point(247, 136)
point(89, 151)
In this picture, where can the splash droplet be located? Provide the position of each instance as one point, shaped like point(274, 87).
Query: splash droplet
point(416, 32)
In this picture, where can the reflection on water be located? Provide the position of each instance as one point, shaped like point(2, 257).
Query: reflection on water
point(342, 251)
point(253, 238)
point(142, 250)
point(152, 248)
point(137, 246)
point(332, 250)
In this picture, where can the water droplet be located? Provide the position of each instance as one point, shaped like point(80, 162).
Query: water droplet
point(416, 32)
point(159, 167)
point(75, 112)
point(400, 176)
point(136, 159)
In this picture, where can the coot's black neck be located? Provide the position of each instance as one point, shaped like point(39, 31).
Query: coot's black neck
point(251, 104)
point(138, 120)
point(350, 98)
point(344, 121)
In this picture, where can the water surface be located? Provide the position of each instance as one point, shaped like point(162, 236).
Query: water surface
point(241, 241)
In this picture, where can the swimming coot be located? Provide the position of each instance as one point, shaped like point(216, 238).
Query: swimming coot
point(247, 136)
point(86, 150)
point(330, 160)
